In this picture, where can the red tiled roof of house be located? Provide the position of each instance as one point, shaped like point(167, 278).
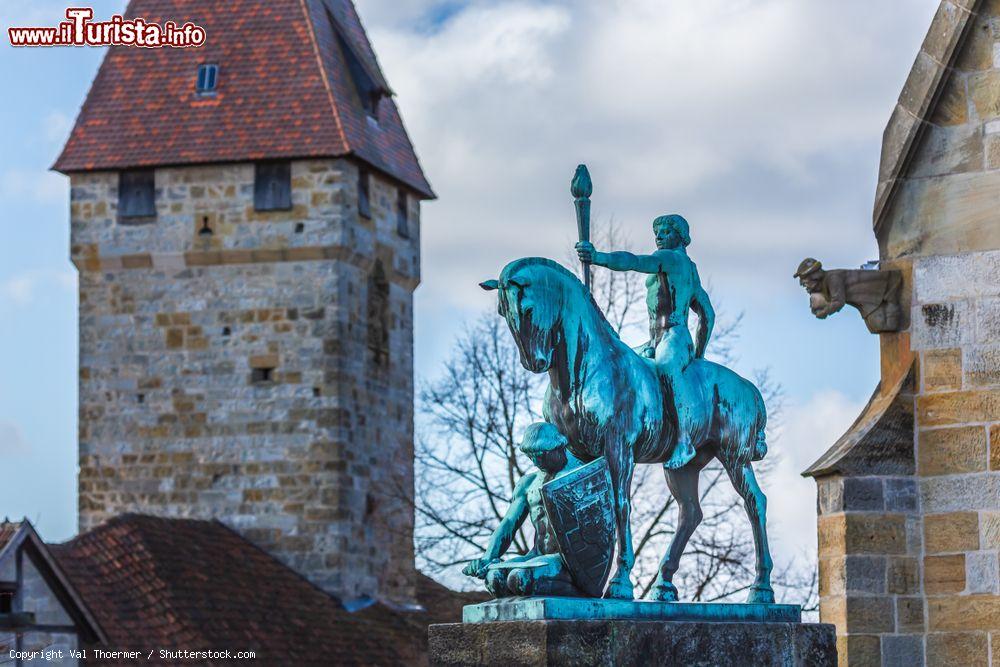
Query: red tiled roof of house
point(284, 91)
point(187, 584)
point(444, 605)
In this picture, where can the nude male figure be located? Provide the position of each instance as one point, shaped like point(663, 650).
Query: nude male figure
point(673, 289)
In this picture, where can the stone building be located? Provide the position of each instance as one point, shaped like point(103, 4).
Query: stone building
point(909, 497)
point(41, 612)
point(245, 219)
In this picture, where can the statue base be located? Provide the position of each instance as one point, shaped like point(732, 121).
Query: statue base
point(570, 609)
point(691, 634)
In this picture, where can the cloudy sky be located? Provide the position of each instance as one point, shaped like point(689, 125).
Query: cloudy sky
point(758, 120)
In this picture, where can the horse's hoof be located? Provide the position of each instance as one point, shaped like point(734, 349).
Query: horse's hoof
point(761, 595)
point(620, 590)
point(663, 592)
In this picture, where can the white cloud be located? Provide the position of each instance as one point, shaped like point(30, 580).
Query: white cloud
point(35, 185)
point(23, 288)
point(760, 120)
point(808, 430)
point(40, 13)
point(12, 441)
point(36, 14)
point(18, 289)
point(56, 127)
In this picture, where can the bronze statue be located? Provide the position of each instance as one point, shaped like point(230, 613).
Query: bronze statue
point(612, 403)
point(542, 571)
point(673, 290)
point(608, 408)
point(875, 293)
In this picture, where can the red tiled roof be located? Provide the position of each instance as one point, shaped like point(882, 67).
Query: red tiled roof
point(444, 605)
point(186, 584)
point(284, 91)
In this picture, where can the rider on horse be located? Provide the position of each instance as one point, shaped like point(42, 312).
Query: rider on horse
point(609, 401)
point(673, 289)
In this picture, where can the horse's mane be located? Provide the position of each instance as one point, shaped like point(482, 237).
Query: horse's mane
point(568, 276)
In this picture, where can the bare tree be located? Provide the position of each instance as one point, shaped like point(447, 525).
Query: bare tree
point(469, 423)
point(466, 455)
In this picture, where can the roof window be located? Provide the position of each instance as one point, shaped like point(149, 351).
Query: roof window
point(208, 77)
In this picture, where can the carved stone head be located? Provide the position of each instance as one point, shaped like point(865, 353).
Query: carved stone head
point(810, 274)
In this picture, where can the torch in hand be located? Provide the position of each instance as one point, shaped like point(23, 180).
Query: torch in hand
point(581, 188)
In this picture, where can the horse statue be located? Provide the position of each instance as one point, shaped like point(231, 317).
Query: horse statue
point(609, 401)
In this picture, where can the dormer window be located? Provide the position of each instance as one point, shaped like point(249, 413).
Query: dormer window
point(208, 77)
point(136, 195)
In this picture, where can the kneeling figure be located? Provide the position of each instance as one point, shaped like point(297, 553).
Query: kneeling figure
point(541, 571)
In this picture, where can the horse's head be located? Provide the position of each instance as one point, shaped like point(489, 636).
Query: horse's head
point(532, 293)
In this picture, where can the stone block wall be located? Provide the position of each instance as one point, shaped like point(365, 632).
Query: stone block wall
point(909, 528)
point(946, 201)
point(919, 583)
point(261, 375)
point(956, 333)
point(870, 544)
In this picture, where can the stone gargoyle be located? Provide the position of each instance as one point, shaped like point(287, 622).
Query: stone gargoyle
point(875, 293)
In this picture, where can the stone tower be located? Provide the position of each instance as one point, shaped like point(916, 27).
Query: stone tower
point(245, 222)
point(909, 497)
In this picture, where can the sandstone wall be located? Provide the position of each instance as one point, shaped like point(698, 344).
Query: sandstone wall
point(947, 198)
point(945, 233)
point(956, 333)
point(909, 546)
point(262, 375)
point(870, 543)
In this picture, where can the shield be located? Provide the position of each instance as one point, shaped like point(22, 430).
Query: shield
point(580, 510)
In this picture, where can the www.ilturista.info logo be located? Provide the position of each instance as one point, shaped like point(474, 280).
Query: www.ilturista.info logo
point(79, 30)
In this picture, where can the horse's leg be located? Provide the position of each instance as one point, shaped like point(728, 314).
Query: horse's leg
point(755, 502)
point(683, 484)
point(622, 465)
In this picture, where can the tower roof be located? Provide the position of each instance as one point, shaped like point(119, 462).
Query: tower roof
point(294, 80)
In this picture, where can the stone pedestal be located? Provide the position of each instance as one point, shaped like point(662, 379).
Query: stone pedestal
point(553, 631)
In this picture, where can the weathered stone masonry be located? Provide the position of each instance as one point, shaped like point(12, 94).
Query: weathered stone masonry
point(310, 455)
point(909, 498)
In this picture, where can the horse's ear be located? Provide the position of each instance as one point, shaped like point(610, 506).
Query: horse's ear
point(490, 285)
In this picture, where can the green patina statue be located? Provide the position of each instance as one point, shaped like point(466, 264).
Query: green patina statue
point(673, 290)
point(662, 403)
